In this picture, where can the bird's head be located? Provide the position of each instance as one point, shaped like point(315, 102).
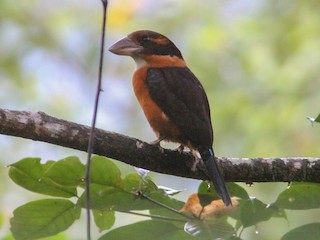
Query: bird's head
point(144, 45)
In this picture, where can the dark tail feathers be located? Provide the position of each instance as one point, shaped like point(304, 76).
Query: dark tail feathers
point(215, 174)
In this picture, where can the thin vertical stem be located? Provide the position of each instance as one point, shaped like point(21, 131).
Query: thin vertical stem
point(94, 119)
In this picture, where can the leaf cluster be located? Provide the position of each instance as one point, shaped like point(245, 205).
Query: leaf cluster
point(137, 194)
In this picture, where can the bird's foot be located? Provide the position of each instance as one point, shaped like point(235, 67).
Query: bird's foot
point(157, 143)
point(180, 149)
point(197, 160)
point(198, 164)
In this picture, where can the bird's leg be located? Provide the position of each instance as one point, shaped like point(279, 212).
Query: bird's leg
point(180, 148)
point(197, 158)
point(198, 164)
point(157, 142)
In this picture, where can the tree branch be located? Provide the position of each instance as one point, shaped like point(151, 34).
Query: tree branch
point(39, 126)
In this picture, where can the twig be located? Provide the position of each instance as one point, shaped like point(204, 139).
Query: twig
point(94, 119)
point(155, 216)
point(163, 205)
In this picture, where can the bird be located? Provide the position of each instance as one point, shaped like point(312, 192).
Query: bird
point(172, 98)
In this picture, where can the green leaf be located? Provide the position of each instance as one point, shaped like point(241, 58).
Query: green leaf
point(134, 183)
point(104, 172)
point(67, 172)
point(312, 120)
point(43, 218)
point(204, 189)
point(29, 173)
point(210, 229)
point(253, 211)
point(107, 198)
point(299, 196)
point(164, 199)
point(309, 231)
point(60, 236)
point(146, 230)
point(113, 194)
point(235, 190)
point(279, 213)
point(104, 219)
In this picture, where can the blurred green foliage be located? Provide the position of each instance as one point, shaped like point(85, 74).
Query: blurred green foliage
point(258, 61)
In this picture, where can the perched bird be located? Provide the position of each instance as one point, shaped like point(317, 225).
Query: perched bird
point(172, 98)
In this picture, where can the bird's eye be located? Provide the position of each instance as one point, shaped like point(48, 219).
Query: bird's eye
point(146, 39)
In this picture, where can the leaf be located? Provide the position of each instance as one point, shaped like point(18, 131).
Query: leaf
point(115, 194)
point(67, 172)
point(103, 219)
point(151, 198)
point(253, 211)
point(60, 236)
point(107, 198)
point(309, 231)
point(213, 229)
point(204, 189)
point(312, 120)
point(108, 191)
point(163, 199)
point(104, 172)
point(146, 230)
point(29, 173)
point(43, 218)
point(131, 182)
point(134, 183)
point(279, 213)
point(235, 190)
point(106, 187)
point(299, 196)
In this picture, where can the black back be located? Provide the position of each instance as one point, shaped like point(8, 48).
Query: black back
point(182, 98)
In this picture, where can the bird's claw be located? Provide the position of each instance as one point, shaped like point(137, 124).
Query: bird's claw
point(180, 149)
point(156, 143)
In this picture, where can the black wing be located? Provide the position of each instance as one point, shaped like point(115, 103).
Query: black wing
point(182, 98)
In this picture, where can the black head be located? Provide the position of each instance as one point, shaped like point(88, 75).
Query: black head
point(155, 43)
point(145, 42)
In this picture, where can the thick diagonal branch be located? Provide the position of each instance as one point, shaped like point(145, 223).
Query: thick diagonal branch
point(39, 126)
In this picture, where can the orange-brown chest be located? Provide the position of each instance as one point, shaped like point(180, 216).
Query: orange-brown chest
point(160, 123)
